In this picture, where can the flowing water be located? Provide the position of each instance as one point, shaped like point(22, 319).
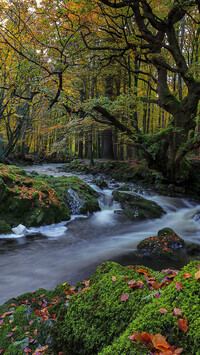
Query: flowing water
point(70, 251)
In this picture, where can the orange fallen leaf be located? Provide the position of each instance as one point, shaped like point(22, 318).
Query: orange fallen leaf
point(187, 275)
point(35, 332)
point(182, 324)
point(114, 278)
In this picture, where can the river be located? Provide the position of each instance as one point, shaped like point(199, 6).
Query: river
point(70, 251)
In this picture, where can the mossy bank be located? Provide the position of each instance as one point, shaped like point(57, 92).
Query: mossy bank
point(100, 315)
point(38, 200)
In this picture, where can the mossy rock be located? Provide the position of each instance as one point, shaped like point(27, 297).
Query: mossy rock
point(5, 228)
point(78, 196)
point(100, 318)
point(138, 208)
point(97, 316)
point(27, 321)
point(28, 201)
point(100, 183)
point(163, 245)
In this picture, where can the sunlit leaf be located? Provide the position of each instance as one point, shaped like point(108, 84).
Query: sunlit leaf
point(197, 275)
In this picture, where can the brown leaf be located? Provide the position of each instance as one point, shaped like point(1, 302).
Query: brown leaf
point(182, 324)
point(141, 271)
point(136, 336)
point(132, 282)
point(160, 343)
point(124, 297)
point(137, 286)
point(163, 310)
point(35, 332)
point(177, 312)
point(114, 278)
point(187, 275)
point(179, 286)
point(197, 275)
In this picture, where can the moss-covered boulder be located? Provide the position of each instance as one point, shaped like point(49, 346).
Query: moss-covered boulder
point(136, 207)
point(26, 322)
point(28, 201)
point(5, 228)
point(163, 245)
point(78, 196)
point(113, 313)
point(121, 301)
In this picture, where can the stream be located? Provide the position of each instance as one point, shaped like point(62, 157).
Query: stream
point(70, 251)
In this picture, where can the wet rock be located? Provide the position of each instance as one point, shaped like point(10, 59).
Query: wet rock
point(20, 229)
point(163, 245)
point(136, 207)
point(193, 249)
point(100, 183)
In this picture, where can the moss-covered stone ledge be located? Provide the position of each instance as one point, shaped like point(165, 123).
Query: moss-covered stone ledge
point(78, 196)
point(164, 245)
point(136, 207)
point(28, 201)
point(98, 316)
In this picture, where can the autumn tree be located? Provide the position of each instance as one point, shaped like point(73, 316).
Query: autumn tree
point(151, 32)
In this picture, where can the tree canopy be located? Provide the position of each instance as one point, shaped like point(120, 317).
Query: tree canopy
point(109, 79)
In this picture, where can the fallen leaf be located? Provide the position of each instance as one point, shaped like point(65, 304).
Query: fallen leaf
point(124, 297)
point(178, 351)
point(160, 343)
point(114, 278)
point(187, 275)
point(35, 332)
point(177, 312)
point(9, 335)
point(182, 324)
point(163, 310)
point(27, 350)
point(197, 275)
point(179, 286)
point(141, 271)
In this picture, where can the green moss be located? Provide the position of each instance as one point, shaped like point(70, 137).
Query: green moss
point(28, 201)
point(95, 317)
point(76, 194)
point(5, 228)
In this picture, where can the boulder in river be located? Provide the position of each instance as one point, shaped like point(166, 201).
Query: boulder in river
point(162, 245)
point(78, 196)
point(136, 207)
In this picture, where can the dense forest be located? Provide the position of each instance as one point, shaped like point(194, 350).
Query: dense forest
point(101, 79)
